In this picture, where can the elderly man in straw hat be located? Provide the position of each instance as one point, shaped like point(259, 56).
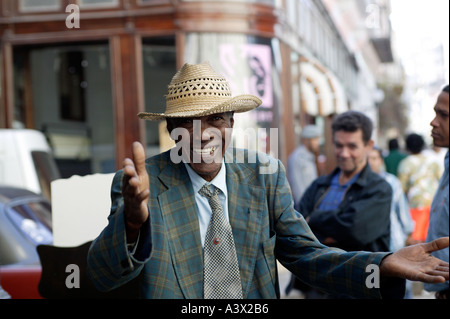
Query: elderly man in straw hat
point(211, 228)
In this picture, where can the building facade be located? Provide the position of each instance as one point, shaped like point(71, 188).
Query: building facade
point(81, 70)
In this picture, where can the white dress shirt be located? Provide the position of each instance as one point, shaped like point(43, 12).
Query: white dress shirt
point(204, 210)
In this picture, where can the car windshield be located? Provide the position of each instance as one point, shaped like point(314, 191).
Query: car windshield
point(47, 171)
point(33, 219)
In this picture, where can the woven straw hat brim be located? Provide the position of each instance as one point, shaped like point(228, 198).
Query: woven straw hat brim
point(238, 104)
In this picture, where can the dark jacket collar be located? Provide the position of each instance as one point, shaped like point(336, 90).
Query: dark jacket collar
point(364, 178)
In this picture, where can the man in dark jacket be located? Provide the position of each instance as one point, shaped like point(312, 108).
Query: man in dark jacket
point(350, 207)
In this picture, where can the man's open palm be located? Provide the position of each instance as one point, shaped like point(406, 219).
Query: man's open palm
point(415, 263)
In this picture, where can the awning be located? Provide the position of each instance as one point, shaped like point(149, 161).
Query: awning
point(322, 93)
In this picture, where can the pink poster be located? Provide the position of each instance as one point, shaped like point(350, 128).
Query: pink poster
point(247, 67)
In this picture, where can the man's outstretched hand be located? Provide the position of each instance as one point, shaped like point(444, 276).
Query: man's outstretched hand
point(135, 191)
point(415, 263)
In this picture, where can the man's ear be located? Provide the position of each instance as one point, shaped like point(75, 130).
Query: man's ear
point(232, 119)
point(370, 145)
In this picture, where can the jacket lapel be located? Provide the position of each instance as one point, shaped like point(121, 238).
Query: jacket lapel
point(244, 208)
point(179, 211)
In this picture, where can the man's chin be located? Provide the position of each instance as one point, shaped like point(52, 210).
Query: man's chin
point(206, 170)
point(439, 143)
point(346, 168)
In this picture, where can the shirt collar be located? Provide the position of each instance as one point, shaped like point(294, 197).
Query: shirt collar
point(219, 181)
point(335, 180)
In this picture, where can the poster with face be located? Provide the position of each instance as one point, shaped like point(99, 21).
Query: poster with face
point(247, 67)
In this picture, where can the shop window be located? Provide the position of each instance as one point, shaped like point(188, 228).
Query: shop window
point(153, 1)
point(65, 91)
point(72, 84)
point(159, 64)
point(41, 5)
point(98, 3)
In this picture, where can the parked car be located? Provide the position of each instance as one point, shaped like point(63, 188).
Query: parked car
point(25, 223)
point(26, 161)
point(30, 266)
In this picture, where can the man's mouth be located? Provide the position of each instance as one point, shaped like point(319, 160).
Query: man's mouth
point(435, 134)
point(205, 151)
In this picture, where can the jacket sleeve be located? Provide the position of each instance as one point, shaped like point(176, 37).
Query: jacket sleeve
point(110, 263)
point(359, 220)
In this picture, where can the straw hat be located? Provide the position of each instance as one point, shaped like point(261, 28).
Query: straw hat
point(197, 90)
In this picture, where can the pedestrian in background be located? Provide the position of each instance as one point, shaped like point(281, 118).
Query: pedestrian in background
point(302, 165)
point(437, 154)
point(402, 224)
point(419, 176)
point(340, 205)
point(439, 213)
point(395, 156)
point(349, 208)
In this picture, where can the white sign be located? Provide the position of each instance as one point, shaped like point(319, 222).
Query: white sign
point(80, 208)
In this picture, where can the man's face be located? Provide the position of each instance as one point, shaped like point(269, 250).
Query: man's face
point(205, 140)
point(375, 161)
point(440, 123)
point(312, 144)
point(351, 151)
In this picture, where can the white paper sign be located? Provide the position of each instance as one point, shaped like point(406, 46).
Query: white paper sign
point(80, 208)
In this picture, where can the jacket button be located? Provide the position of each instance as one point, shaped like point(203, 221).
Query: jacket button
point(216, 241)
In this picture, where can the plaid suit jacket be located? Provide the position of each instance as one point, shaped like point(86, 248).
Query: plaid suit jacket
point(265, 228)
